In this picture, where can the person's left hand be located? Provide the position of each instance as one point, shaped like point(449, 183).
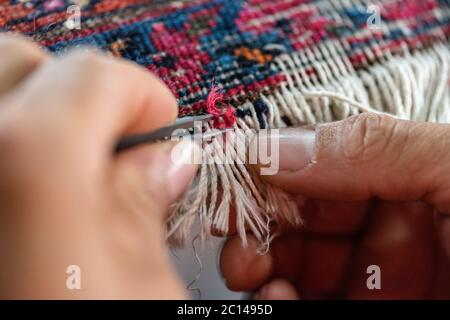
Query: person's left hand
point(376, 218)
point(65, 197)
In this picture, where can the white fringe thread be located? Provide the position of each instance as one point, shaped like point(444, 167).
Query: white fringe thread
point(411, 86)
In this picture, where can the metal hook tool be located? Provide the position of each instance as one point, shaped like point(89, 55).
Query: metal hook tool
point(167, 132)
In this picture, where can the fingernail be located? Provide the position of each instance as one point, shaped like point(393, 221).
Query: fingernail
point(295, 147)
point(183, 166)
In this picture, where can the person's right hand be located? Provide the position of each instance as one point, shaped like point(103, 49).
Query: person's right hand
point(378, 194)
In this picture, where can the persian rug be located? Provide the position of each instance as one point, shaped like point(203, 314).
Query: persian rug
point(257, 64)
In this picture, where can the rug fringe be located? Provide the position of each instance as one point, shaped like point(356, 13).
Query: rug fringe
point(409, 86)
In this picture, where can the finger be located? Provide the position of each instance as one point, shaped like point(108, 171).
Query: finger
point(93, 100)
point(277, 289)
point(319, 218)
point(400, 241)
point(19, 58)
point(160, 176)
point(364, 156)
point(442, 222)
point(333, 218)
point(288, 255)
point(440, 288)
point(244, 269)
point(324, 266)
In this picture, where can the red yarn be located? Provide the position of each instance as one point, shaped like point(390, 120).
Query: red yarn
point(224, 115)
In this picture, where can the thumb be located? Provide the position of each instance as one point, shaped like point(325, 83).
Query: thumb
point(364, 156)
point(152, 177)
point(146, 180)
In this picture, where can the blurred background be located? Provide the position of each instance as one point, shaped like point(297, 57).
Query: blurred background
point(210, 283)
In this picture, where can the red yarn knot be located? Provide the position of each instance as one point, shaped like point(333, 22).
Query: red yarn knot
point(224, 114)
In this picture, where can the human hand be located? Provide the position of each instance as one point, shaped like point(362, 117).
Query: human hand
point(378, 193)
point(66, 198)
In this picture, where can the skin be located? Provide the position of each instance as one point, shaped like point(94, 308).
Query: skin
point(378, 193)
point(67, 199)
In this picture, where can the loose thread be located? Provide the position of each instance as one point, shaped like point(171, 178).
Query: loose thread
point(190, 287)
point(224, 114)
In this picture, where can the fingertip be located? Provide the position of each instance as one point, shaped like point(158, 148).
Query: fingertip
point(159, 107)
point(168, 95)
point(243, 268)
point(278, 154)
